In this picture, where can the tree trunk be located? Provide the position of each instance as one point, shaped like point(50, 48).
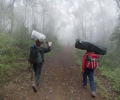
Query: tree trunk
point(12, 17)
point(118, 3)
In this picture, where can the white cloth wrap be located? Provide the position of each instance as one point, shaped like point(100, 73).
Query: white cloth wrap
point(38, 36)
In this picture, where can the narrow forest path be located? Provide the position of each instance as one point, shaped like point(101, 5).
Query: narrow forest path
point(60, 80)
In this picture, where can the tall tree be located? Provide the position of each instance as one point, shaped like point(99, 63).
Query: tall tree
point(118, 3)
point(12, 2)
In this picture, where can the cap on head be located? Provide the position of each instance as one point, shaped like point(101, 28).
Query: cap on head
point(38, 43)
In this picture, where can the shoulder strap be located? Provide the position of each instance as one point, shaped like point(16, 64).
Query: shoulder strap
point(39, 49)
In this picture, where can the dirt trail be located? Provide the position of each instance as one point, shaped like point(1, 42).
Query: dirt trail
point(60, 80)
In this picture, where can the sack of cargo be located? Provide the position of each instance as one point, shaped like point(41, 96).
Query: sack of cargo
point(84, 45)
point(38, 36)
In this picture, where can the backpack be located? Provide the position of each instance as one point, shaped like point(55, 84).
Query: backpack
point(35, 54)
point(92, 61)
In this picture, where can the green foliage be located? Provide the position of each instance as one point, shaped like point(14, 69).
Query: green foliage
point(97, 82)
point(78, 62)
point(78, 57)
point(102, 90)
point(79, 52)
point(56, 46)
point(110, 60)
point(113, 76)
point(10, 54)
point(115, 37)
point(117, 98)
point(7, 54)
point(23, 41)
point(14, 52)
point(110, 68)
point(55, 43)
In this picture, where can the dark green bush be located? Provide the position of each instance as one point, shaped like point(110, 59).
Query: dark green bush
point(15, 50)
point(110, 67)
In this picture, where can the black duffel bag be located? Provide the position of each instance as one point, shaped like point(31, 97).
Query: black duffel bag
point(84, 45)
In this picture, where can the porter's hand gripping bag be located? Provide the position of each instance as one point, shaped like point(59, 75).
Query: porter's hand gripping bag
point(38, 36)
point(50, 44)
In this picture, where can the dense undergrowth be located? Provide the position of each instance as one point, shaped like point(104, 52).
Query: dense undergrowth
point(109, 67)
point(9, 54)
point(14, 53)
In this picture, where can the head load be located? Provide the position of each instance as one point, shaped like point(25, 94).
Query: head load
point(36, 36)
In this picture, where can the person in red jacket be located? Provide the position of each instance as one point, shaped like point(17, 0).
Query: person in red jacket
point(87, 71)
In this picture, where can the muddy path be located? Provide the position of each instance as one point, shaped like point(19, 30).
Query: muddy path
point(60, 80)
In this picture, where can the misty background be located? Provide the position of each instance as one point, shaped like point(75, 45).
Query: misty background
point(92, 20)
point(62, 21)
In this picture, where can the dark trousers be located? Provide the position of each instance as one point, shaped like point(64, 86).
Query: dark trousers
point(37, 69)
point(90, 73)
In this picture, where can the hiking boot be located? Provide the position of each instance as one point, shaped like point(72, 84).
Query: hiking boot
point(93, 94)
point(34, 87)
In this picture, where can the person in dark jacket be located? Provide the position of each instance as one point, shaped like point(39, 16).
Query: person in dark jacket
point(38, 66)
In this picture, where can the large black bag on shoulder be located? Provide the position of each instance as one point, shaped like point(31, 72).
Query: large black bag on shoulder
point(84, 45)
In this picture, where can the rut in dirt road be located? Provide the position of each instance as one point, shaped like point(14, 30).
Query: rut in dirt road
point(60, 80)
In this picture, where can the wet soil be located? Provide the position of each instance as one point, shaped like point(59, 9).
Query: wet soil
point(61, 79)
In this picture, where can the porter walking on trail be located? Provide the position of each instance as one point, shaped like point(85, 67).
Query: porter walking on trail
point(37, 60)
point(89, 63)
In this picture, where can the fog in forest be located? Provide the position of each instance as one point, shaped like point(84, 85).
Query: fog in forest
point(59, 62)
point(92, 20)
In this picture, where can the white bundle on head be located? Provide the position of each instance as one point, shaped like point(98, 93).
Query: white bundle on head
point(38, 36)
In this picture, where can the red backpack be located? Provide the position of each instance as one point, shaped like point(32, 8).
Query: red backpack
point(91, 60)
